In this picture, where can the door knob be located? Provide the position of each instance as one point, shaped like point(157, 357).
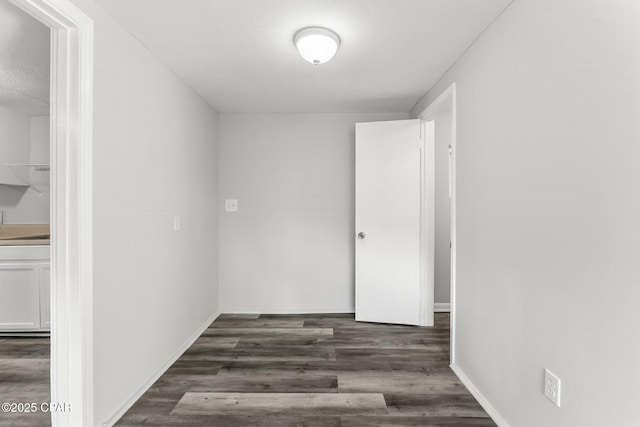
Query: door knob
point(361, 235)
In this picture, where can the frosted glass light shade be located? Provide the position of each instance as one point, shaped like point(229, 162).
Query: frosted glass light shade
point(317, 45)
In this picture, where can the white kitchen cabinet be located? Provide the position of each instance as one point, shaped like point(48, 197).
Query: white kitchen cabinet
point(45, 297)
point(25, 293)
point(19, 297)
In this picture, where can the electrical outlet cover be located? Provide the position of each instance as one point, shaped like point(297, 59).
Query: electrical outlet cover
point(552, 387)
point(231, 205)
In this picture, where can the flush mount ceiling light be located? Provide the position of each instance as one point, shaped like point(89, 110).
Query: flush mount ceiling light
point(317, 45)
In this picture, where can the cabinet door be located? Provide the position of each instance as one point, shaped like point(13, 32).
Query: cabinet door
point(19, 297)
point(45, 297)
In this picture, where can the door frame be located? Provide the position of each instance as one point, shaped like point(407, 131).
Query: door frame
point(427, 222)
point(71, 116)
point(446, 98)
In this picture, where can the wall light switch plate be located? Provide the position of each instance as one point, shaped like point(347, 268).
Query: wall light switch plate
point(552, 387)
point(231, 205)
point(177, 223)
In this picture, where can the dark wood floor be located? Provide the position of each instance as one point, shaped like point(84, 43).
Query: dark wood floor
point(289, 370)
point(24, 377)
point(312, 370)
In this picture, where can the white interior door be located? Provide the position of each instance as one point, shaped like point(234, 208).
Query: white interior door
point(392, 283)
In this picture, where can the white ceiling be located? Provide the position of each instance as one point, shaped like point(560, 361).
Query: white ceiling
point(239, 54)
point(24, 64)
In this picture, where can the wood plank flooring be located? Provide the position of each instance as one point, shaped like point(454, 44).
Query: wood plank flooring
point(311, 370)
point(24, 377)
point(280, 370)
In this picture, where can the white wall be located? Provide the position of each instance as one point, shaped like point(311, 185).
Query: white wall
point(24, 139)
point(442, 258)
point(36, 203)
point(155, 156)
point(548, 231)
point(14, 136)
point(24, 205)
point(290, 247)
point(14, 148)
point(39, 144)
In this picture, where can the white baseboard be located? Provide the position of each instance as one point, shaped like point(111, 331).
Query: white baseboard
point(439, 307)
point(291, 311)
point(442, 307)
point(133, 399)
point(488, 407)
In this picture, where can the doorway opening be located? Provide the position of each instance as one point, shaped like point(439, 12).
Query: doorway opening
point(24, 211)
point(403, 217)
point(71, 134)
point(442, 114)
